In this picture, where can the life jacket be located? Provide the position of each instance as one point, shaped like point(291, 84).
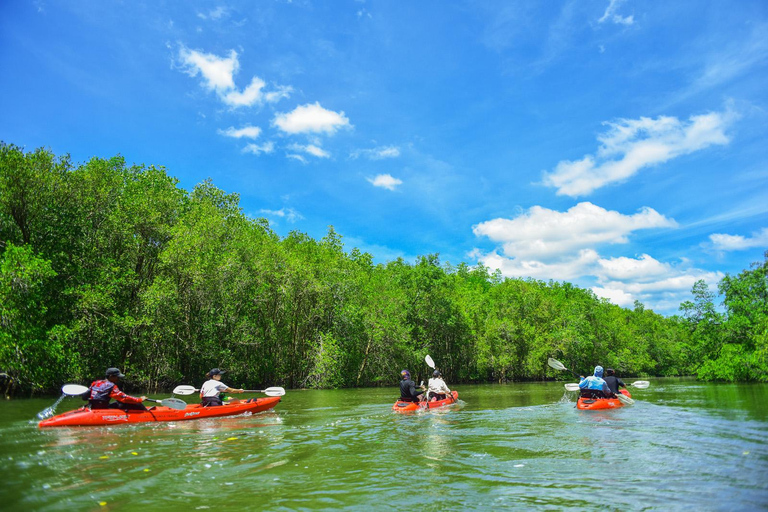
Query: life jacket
point(101, 391)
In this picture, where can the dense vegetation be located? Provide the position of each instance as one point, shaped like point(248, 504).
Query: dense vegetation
point(105, 264)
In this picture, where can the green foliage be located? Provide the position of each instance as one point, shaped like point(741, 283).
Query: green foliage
point(105, 264)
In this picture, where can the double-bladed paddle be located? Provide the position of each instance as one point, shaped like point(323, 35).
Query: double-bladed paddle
point(190, 390)
point(77, 390)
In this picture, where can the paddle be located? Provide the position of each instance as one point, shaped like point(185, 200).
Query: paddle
point(190, 390)
point(639, 384)
point(557, 365)
point(173, 403)
point(66, 390)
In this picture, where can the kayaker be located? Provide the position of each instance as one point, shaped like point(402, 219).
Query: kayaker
point(613, 382)
point(438, 389)
point(594, 386)
point(211, 389)
point(102, 391)
point(408, 390)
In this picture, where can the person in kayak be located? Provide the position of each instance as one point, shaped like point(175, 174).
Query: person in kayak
point(594, 386)
point(613, 382)
point(437, 388)
point(102, 391)
point(210, 391)
point(408, 391)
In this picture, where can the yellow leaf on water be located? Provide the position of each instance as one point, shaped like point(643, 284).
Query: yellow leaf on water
point(103, 503)
point(134, 453)
point(104, 457)
point(146, 470)
point(231, 439)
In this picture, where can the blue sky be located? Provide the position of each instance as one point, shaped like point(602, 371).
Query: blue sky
point(618, 145)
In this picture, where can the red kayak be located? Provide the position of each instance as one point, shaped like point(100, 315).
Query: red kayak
point(593, 404)
point(86, 417)
point(401, 406)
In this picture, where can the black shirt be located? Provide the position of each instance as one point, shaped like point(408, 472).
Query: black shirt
point(408, 391)
point(614, 383)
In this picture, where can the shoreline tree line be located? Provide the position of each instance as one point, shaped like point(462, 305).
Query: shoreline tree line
point(108, 264)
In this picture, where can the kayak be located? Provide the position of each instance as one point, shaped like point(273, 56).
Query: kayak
point(401, 406)
point(594, 404)
point(87, 417)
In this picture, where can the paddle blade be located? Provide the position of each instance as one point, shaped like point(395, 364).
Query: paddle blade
point(557, 365)
point(276, 391)
point(641, 384)
point(572, 386)
point(174, 403)
point(624, 399)
point(429, 362)
point(73, 389)
point(184, 390)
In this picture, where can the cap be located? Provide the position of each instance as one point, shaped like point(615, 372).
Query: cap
point(598, 371)
point(610, 371)
point(405, 373)
point(216, 371)
point(114, 372)
point(436, 373)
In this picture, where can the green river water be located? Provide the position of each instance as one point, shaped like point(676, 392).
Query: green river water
point(684, 445)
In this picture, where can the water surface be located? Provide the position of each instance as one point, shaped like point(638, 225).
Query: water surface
point(683, 446)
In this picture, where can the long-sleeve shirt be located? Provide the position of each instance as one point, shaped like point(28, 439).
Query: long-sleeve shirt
point(408, 390)
point(614, 383)
point(104, 390)
point(595, 383)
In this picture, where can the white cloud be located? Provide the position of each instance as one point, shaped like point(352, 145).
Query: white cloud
point(385, 181)
point(310, 149)
point(289, 214)
point(311, 118)
point(632, 144)
point(215, 14)
point(563, 246)
point(379, 153)
point(724, 242)
point(610, 14)
point(217, 72)
point(542, 233)
point(297, 157)
point(566, 269)
point(257, 149)
point(248, 132)
point(218, 75)
point(624, 280)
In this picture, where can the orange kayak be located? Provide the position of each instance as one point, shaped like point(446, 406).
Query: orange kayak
point(401, 406)
point(86, 417)
point(594, 404)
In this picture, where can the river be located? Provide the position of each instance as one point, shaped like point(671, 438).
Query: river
point(683, 445)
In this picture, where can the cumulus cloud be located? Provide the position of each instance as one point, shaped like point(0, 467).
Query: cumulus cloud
point(624, 280)
point(629, 145)
point(541, 233)
point(611, 14)
point(310, 149)
point(385, 181)
point(724, 242)
point(563, 246)
point(379, 153)
point(311, 118)
point(258, 149)
point(247, 132)
point(218, 75)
